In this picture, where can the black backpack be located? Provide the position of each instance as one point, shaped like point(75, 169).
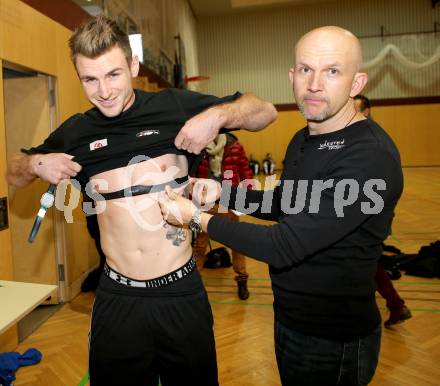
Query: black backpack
point(217, 258)
point(425, 263)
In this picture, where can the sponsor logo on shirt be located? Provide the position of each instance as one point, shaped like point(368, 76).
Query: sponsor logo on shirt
point(98, 144)
point(147, 132)
point(333, 145)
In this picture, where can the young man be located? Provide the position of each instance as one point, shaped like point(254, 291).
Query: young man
point(151, 315)
point(322, 255)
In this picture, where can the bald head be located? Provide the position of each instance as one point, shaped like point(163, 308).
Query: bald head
point(335, 41)
point(326, 75)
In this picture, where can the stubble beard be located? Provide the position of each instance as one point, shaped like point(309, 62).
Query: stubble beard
point(322, 116)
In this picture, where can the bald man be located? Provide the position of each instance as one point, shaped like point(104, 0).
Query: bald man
point(333, 207)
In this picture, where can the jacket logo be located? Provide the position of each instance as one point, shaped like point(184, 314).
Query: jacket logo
point(147, 132)
point(98, 144)
point(333, 145)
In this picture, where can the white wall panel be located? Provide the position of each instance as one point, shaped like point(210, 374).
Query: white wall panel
point(253, 52)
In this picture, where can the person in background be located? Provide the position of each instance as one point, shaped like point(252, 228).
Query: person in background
point(399, 312)
point(226, 159)
point(362, 104)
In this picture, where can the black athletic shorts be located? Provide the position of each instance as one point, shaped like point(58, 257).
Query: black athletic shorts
point(140, 334)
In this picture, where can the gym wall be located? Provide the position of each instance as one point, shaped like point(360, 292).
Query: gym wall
point(34, 42)
point(414, 128)
point(254, 51)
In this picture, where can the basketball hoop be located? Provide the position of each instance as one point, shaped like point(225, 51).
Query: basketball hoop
point(195, 78)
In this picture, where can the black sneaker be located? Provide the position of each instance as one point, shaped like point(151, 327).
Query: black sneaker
point(398, 315)
point(243, 292)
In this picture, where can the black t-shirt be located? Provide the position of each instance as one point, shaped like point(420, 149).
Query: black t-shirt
point(148, 128)
point(323, 264)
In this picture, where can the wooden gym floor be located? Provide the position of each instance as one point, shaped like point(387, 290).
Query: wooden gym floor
point(410, 352)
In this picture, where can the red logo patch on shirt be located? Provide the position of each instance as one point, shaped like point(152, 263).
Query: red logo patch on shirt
point(98, 144)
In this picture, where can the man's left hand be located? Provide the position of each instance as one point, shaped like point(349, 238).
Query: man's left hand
point(200, 130)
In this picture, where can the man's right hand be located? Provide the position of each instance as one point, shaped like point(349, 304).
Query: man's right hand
point(54, 167)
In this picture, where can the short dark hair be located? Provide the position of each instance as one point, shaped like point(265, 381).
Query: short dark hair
point(365, 102)
point(98, 36)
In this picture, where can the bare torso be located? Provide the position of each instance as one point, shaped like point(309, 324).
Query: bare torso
point(135, 239)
